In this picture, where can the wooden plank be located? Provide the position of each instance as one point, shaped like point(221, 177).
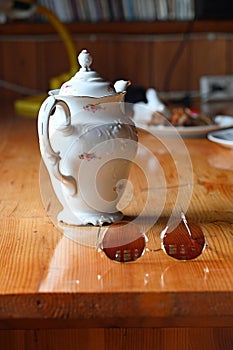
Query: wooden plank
point(49, 339)
point(119, 338)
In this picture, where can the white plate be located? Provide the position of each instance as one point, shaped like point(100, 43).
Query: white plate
point(223, 137)
point(222, 121)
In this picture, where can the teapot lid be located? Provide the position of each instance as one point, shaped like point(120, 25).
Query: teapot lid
point(86, 82)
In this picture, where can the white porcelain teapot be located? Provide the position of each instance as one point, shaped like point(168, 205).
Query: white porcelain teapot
point(87, 143)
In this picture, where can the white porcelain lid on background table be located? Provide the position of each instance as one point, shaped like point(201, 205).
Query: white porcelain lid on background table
point(223, 137)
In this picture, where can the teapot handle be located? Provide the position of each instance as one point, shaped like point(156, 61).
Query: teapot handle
point(44, 137)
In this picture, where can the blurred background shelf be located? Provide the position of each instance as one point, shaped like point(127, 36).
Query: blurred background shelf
point(134, 28)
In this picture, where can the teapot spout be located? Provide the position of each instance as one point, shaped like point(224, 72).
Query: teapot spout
point(121, 85)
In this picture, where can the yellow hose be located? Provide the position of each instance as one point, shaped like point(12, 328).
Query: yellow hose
point(29, 106)
point(66, 38)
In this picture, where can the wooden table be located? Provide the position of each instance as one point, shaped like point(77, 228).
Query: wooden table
point(56, 293)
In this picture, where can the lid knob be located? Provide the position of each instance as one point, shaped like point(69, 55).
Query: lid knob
point(85, 60)
point(87, 82)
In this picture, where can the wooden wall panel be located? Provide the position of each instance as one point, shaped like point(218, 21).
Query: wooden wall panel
point(229, 56)
point(54, 59)
point(31, 64)
point(130, 60)
point(17, 56)
point(164, 63)
point(209, 58)
point(179, 65)
point(169, 64)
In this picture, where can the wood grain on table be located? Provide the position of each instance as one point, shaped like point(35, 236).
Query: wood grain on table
point(49, 281)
